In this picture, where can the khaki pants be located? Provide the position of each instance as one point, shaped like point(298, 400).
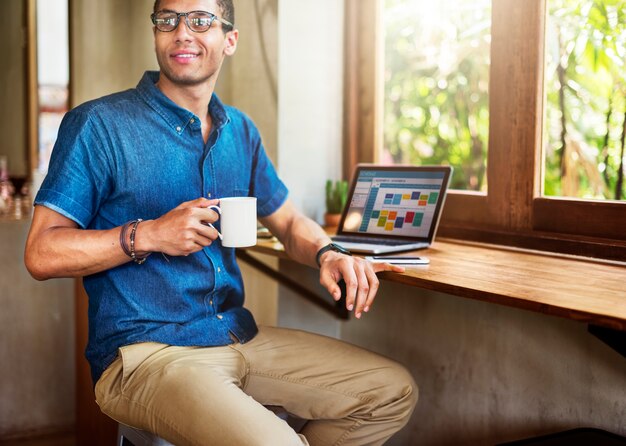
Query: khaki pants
point(216, 396)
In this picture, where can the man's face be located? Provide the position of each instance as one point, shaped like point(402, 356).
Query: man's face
point(190, 58)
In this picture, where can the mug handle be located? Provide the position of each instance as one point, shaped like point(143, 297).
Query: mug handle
point(219, 211)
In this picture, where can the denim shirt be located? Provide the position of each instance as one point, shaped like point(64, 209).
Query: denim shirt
point(136, 154)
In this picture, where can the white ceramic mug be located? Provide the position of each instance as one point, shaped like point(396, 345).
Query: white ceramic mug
point(237, 221)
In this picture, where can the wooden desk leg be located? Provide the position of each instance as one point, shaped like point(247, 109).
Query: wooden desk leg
point(615, 339)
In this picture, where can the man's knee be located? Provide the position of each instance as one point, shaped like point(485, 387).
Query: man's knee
point(402, 394)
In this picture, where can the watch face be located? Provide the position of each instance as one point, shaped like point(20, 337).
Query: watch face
point(331, 247)
point(340, 249)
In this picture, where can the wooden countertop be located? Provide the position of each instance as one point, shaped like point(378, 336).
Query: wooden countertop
point(586, 290)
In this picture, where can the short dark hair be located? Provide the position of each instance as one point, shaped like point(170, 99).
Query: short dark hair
point(227, 9)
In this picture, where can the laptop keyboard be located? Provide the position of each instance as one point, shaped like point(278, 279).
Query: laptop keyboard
point(374, 240)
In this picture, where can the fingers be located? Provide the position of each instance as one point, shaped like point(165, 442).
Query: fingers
point(199, 222)
point(328, 280)
point(184, 229)
point(207, 215)
point(374, 284)
point(206, 234)
point(360, 278)
point(198, 203)
point(352, 285)
point(192, 240)
point(362, 289)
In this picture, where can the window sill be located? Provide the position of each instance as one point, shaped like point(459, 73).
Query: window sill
point(542, 241)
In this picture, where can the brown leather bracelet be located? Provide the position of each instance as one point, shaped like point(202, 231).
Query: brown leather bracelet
point(123, 243)
point(133, 255)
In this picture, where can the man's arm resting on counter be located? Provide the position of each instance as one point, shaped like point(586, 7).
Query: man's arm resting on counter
point(303, 238)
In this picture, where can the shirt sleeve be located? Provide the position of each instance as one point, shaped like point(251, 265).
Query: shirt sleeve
point(79, 173)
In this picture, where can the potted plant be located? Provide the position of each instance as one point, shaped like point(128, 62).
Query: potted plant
point(336, 196)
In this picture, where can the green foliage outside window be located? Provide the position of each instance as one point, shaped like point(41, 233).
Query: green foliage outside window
point(436, 92)
point(436, 86)
point(585, 108)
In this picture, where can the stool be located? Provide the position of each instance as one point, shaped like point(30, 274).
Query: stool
point(130, 436)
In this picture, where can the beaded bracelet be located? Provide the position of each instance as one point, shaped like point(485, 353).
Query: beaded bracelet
point(133, 255)
point(123, 243)
point(130, 251)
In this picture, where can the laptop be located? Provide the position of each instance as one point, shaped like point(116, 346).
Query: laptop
point(393, 208)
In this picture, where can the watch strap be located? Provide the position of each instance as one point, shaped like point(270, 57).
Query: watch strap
point(330, 247)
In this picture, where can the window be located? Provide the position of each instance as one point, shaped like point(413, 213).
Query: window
point(513, 210)
point(585, 108)
point(436, 93)
point(53, 74)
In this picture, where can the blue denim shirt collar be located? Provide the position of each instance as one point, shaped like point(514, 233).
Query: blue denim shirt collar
point(177, 117)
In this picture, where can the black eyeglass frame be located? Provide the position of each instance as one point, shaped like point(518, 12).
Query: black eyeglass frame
point(212, 18)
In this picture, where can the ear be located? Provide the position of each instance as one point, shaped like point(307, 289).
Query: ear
point(231, 42)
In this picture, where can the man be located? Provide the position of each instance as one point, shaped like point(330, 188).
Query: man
point(171, 348)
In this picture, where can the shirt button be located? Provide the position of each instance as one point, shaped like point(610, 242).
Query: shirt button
point(178, 129)
point(209, 195)
point(192, 120)
point(219, 270)
point(211, 302)
point(220, 317)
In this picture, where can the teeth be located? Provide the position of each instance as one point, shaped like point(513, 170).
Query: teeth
point(188, 56)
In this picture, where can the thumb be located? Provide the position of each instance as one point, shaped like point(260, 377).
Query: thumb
point(329, 281)
point(379, 267)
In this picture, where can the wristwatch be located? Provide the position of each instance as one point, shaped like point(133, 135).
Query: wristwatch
point(331, 247)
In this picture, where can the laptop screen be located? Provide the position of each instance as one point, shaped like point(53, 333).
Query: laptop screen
point(401, 202)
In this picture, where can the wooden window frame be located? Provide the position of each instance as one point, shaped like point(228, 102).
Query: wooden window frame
point(32, 93)
point(513, 211)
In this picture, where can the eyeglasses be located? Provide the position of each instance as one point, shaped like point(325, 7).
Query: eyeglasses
point(197, 21)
